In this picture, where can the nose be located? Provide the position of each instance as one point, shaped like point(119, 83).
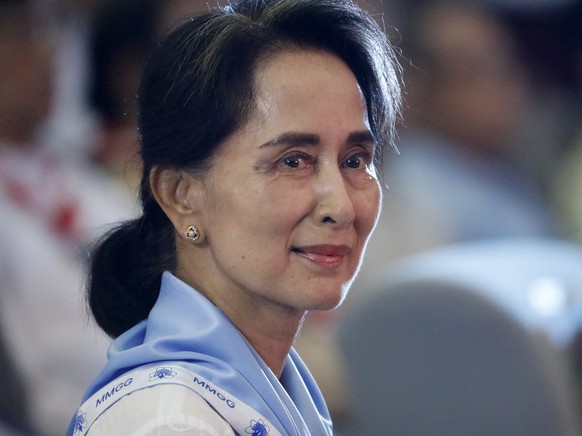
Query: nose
point(334, 203)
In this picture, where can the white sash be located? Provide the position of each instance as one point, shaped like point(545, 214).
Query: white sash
point(242, 417)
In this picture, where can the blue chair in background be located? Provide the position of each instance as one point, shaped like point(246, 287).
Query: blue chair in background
point(468, 340)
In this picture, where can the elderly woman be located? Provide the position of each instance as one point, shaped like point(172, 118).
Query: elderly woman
point(260, 125)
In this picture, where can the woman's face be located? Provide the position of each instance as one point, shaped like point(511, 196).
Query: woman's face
point(292, 197)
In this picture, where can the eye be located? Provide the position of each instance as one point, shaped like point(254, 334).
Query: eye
point(353, 162)
point(292, 162)
point(297, 161)
point(356, 161)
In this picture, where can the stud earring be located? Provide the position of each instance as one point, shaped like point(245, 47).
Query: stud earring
point(192, 234)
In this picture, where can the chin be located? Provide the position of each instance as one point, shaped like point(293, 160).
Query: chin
point(330, 300)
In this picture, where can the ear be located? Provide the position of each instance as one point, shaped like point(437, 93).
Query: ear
point(178, 193)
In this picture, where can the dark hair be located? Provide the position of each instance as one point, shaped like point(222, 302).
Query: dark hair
point(197, 90)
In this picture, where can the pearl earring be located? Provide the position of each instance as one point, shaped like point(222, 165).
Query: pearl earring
point(192, 234)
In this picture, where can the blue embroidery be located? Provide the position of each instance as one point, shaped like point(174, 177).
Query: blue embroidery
point(257, 428)
point(81, 421)
point(162, 373)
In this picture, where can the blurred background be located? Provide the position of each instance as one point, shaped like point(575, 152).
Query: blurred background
point(467, 315)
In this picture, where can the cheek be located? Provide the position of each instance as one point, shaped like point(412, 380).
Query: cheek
point(279, 202)
point(367, 208)
point(263, 217)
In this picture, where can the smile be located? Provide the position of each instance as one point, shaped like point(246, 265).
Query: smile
point(325, 255)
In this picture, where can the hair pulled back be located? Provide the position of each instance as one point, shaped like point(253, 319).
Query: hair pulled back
point(197, 90)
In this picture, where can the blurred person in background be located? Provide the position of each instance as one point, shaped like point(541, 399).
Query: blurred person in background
point(82, 57)
point(49, 211)
point(123, 32)
point(457, 178)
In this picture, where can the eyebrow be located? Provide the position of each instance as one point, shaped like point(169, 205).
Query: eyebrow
point(362, 136)
point(293, 138)
point(298, 138)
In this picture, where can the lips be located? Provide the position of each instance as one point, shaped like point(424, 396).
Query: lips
point(325, 255)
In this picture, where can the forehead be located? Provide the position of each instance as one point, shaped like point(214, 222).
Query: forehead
point(292, 68)
point(309, 81)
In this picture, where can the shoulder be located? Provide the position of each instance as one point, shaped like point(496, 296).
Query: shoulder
point(161, 410)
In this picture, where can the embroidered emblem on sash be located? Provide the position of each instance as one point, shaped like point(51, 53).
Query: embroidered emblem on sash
point(257, 428)
point(162, 373)
point(81, 421)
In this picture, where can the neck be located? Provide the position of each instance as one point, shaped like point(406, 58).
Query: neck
point(270, 329)
point(272, 339)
